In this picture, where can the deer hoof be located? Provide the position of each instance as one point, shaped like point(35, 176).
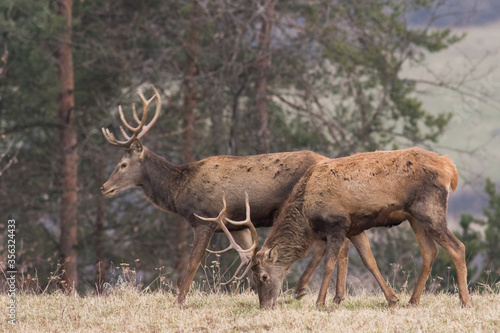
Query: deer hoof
point(412, 303)
point(300, 293)
point(337, 299)
point(393, 302)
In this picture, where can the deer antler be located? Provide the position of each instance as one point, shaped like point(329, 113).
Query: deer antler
point(244, 253)
point(140, 129)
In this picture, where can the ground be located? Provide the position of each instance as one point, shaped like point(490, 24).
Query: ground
point(128, 309)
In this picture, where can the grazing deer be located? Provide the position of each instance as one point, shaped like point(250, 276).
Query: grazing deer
point(195, 188)
point(360, 241)
point(343, 197)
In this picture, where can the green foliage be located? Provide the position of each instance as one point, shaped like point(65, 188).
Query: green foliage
point(366, 47)
point(492, 231)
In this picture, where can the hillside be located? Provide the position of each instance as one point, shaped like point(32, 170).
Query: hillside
point(473, 137)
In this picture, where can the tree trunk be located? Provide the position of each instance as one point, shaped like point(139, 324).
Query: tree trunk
point(187, 144)
point(234, 141)
point(102, 264)
point(262, 67)
point(217, 130)
point(69, 154)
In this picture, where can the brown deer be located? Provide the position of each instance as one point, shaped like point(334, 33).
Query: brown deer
point(196, 188)
point(360, 241)
point(341, 198)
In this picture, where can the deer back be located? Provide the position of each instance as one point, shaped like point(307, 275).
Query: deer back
point(268, 179)
point(375, 189)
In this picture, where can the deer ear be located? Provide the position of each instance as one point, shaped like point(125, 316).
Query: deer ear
point(136, 147)
point(272, 254)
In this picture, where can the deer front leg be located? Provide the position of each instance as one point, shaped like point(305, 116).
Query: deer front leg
point(318, 254)
point(202, 235)
point(429, 253)
point(362, 244)
point(333, 246)
point(342, 263)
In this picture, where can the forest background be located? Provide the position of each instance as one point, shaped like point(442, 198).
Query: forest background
point(241, 78)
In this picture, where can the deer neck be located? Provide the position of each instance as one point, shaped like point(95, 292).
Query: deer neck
point(293, 234)
point(160, 181)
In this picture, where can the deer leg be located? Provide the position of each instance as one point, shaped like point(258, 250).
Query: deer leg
point(429, 252)
point(318, 253)
point(430, 214)
point(342, 262)
point(202, 235)
point(333, 246)
point(456, 251)
point(362, 245)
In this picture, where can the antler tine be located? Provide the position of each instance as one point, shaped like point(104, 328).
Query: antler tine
point(124, 133)
point(107, 136)
point(249, 224)
point(124, 120)
point(134, 113)
point(110, 137)
point(222, 212)
point(156, 96)
point(244, 261)
point(140, 129)
point(245, 258)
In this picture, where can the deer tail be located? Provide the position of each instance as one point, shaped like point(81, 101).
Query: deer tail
point(454, 178)
point(452, 173)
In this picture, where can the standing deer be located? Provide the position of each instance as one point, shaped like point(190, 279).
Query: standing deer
point(195, 188)
point(341, 198)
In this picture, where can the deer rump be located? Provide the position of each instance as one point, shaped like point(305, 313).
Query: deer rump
point(375, 189)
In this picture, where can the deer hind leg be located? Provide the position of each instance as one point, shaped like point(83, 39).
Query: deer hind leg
point(362, 245)
point(318, 254)
point(202, 236)
point(342, 263)
point(429, 252)
point(431, 216)
point(456, 251)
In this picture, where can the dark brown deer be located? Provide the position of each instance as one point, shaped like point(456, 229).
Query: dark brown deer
point(341, 198)
point(196, 188)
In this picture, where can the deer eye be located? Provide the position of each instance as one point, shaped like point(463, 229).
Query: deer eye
point(264, 277)
point(123, 165)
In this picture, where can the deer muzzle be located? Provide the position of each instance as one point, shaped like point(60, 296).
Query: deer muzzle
point(107, 191)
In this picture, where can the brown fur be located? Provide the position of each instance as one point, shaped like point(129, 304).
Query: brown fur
point(343, 197)
point(198, 188)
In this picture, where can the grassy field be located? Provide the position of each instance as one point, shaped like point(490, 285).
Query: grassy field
point(129, 310)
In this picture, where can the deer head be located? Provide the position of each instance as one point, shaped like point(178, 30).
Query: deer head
point(245, 254)
point(268, 275)
point(128, 171)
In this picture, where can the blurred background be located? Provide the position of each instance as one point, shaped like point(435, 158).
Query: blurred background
point(241, 78)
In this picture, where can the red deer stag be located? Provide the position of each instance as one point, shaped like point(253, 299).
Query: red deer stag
point(197, 187)
point(343, 197)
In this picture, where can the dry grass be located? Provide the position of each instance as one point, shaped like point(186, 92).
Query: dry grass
point(129, 310)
